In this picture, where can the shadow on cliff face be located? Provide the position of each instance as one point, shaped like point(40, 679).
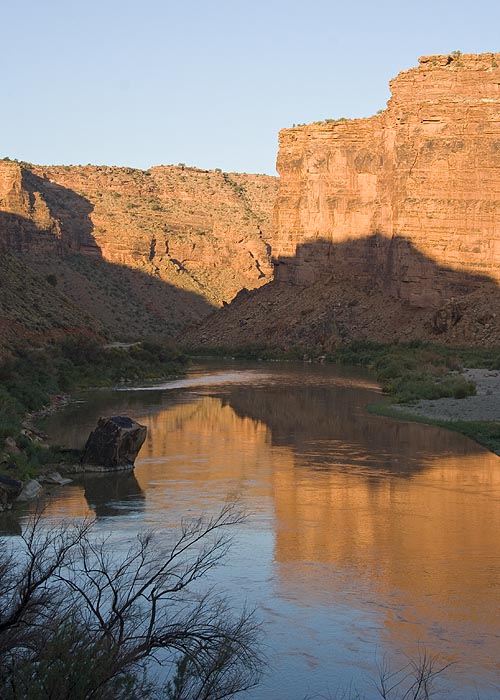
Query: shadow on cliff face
point(375, 288)
point(69, 211)
point(392, 266)
point(130, 304)
point(56, 219)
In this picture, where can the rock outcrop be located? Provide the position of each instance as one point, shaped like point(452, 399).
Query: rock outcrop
point(388, 227)
point(425, 172)
point(9, 491)
point(32, 489)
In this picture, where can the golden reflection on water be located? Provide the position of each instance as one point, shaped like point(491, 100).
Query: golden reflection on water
point(202, 450)
point(423, 552)
point(401, 520)
point(422, 548)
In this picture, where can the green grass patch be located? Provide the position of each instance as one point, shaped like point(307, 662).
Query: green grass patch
point(413, 371)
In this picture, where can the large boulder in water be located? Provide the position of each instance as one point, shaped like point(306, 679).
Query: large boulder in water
point(113, 444)
point(9, 491)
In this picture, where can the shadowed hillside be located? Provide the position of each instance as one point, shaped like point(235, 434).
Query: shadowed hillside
point(361, 294)
point(49, 296)
point(145, 253)
point(32, 310)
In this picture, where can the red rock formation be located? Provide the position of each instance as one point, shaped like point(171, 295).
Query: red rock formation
point(386, 228)
point(426, 171)
point(196, 229)
point(147, 252)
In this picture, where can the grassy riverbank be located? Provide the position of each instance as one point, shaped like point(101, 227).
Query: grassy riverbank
point(409, 373)
point(30, 379)
point(486, 433)
point(417, 370)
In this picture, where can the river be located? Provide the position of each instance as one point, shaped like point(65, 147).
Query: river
point(367, 539)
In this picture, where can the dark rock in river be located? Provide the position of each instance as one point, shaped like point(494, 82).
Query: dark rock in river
point(9, 491)
point(113, 444)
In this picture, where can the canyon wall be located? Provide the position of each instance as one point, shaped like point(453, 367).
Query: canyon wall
point(423, 176)
point(146, 252)
point(386, 228)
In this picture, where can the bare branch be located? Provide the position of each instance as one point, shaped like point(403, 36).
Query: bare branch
point(66, 598)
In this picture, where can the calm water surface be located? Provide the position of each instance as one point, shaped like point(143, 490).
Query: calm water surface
point(367, 537)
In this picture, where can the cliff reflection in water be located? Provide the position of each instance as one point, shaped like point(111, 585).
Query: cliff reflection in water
point(197, 453)
point(98, 495)
point(397, 522)
point(407, 517)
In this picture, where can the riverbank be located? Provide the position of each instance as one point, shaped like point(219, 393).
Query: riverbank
point(477, 416)
point(38, 380)
point(484, 405)
point(424, 382)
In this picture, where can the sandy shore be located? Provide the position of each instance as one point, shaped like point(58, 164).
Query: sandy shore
point(484, 406)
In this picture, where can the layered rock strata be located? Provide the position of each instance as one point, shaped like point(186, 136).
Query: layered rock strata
point(389, 227)
point(424, 174)
point(146, 252)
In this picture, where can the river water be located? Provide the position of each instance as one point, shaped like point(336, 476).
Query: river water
point(368, 539)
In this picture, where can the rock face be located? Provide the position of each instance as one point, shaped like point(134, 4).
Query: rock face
point(424, 174)
point(170, 243)
point(388, 227)
point(114, 444)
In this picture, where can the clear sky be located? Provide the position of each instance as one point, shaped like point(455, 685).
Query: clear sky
point(208, 83)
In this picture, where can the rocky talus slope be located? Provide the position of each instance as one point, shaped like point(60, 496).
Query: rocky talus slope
point(386, 228)
point(146, 253)
point(31, 309)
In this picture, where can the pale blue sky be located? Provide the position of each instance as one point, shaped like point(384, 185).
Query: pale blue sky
point(208, 83)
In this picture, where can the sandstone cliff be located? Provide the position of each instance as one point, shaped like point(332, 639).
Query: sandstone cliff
point(388, 227)
point(146, 252)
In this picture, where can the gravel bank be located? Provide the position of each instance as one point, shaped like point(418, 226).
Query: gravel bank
point(484, 406)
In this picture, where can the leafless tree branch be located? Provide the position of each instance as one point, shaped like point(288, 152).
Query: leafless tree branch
point(69, 603)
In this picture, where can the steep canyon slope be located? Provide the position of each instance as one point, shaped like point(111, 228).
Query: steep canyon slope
point(145, 253)
point(386, 228)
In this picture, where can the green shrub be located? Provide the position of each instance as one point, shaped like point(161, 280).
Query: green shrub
point(419, 370)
